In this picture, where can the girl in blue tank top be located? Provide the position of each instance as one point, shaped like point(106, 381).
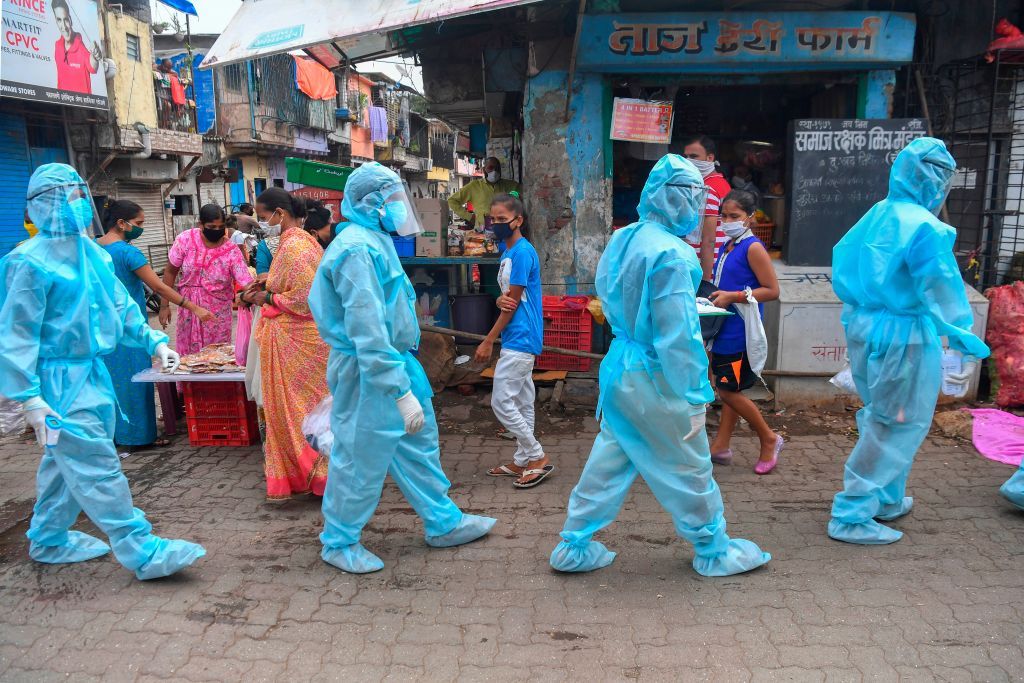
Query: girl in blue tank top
point(743, 262)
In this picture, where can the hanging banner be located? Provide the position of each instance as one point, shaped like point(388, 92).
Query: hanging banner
point(641, 121)
point(720, 42)
point(52, 53)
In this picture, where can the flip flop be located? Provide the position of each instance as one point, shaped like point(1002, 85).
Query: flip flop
point(504, 471)
point(544, 472)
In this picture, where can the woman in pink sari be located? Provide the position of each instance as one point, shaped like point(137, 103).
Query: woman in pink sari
point(210, 271)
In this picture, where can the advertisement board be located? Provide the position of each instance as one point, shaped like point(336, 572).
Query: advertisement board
point(641, 121)
point(51, 52)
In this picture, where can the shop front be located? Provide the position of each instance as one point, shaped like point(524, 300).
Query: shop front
point(742, 80)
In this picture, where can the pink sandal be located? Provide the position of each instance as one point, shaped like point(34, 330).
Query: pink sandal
point(722, 457)
point(764, 467)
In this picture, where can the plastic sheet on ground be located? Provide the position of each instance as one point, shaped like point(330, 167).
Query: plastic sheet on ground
point(999, 435)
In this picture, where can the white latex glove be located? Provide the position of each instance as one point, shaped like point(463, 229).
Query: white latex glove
point(169, 358)
point(36, 412)
point(968, 367)
point(412, 413)
point(697, 423)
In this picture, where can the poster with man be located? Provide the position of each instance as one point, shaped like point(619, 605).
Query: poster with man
point(52, 52)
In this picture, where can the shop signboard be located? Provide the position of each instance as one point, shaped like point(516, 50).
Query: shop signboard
point(641, 121)
point(727, 42)
point(52, 53)
point(838, 169)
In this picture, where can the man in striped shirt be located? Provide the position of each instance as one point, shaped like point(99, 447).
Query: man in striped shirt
point(701, 149)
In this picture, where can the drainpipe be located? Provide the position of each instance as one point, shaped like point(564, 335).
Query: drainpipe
point(252, 105)
point(147, 142)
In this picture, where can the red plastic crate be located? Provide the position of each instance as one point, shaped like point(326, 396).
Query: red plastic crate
point(219, 414)
point(567, 325)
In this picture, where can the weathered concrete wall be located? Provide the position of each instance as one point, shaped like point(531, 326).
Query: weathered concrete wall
point(567, 195)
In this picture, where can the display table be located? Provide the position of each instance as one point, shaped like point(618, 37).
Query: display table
point(165, 389)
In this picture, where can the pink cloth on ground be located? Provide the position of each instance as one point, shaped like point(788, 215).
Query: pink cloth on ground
point(999, 435)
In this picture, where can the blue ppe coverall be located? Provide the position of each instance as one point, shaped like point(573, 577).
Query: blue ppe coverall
point(364, 307)
point(61, 309)
point(1013, 489)
point(654, 384)
point(901, 288)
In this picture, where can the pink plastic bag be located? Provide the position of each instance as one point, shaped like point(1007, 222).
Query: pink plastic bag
point(999, 436)
point(242, 333)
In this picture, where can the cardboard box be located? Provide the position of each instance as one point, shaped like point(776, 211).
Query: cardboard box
point(433, 215)
point(432, 243)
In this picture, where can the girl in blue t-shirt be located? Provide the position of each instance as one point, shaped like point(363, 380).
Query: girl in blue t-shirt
point(743, 262)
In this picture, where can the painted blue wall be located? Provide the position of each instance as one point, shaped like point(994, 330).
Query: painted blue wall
point(566, 192)
point(206, 102)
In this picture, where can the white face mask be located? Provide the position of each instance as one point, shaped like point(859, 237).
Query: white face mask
point(493, 177)
point(734, 229)
point(269, 230)
point(706, 168)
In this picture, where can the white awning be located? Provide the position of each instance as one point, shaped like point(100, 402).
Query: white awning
point(332, 30)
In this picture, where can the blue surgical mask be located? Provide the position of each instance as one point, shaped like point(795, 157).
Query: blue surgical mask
point(78, 214)
point(395, 216)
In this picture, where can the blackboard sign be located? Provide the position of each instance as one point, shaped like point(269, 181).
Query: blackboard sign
point(838, 168)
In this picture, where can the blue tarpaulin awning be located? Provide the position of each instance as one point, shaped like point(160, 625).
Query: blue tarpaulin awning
point(181, 5)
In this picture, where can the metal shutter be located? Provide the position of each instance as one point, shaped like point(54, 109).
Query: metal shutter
point(15, 170)
point(155, 241)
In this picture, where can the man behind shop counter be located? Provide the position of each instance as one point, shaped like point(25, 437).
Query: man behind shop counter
point(701, 150)
point(480, 192)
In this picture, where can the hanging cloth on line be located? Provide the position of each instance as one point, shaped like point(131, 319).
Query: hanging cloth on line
point(313, 80)
point(378, 124)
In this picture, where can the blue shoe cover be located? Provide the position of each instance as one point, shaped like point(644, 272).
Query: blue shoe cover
point(469, 529)
point(78, 548)
point(895, 511)
point(741, 556)
point(865, 533)
point(593, 555)
point(354, 559)
point(171, 556)
point(1014, 494)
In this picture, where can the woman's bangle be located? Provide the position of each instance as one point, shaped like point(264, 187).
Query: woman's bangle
point(269, 298)
point(184, 302)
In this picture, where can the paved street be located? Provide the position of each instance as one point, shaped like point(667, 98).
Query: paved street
point(945, 603)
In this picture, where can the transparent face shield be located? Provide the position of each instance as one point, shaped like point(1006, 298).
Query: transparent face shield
point(398, 215)
point(64, 210)
point(683, 205)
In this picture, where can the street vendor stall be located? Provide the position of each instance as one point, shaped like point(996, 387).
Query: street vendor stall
point(217, 410)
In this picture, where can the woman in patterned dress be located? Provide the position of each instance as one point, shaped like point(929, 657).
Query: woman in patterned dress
point(209, 270)
point(293, 357)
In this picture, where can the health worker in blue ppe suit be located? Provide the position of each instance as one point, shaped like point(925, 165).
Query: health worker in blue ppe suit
point(62, 309)
point(901, 288)
point(1013, 489)
point(382, 418)
point(654, 387)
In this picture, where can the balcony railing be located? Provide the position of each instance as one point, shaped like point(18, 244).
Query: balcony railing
point(171, 116)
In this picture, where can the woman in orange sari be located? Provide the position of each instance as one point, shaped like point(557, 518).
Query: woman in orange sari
point(292, 354)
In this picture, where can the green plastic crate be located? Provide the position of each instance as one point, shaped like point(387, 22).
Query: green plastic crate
point(317, 174)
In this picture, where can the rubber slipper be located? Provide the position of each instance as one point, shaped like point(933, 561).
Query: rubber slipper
point(544, 472)
point(503, 471)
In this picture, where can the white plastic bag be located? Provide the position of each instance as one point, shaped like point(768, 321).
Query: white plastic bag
point(317, 427)
point(12, 418)
point(952, 364)
point(757, 340)
point(843, 380)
